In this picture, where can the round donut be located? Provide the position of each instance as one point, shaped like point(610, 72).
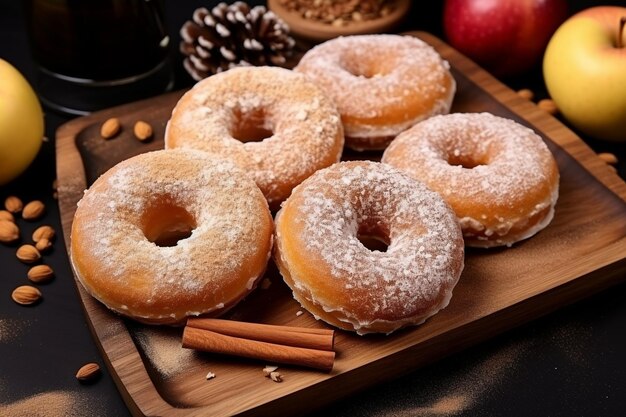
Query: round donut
point(272, 122)
point(170, 234)
point(382, 84)
point(498, 176)
point(320, 254)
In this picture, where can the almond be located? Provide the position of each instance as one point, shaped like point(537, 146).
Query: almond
point(110, 128)
point(26, 295)
point(28, 254)
point(526, 93)
point(88, 372)
point(33, 210)
point(9, 232)
point(6, 215)
point(43, 232)
point(608, 158)
point(548, 106)
point(13, 204)
point(40, 274)
point(142, 131)
point(43, 245)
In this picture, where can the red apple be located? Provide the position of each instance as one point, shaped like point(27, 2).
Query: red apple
point(507, 37)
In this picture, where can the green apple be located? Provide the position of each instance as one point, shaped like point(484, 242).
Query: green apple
point(584, 68)
point(21, 123)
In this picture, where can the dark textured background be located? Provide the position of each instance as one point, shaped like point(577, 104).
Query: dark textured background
point(569, 363)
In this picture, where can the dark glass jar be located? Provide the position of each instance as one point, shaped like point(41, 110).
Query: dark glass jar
point(98, 53)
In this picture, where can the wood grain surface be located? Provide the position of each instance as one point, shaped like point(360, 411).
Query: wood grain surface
point(581, 252)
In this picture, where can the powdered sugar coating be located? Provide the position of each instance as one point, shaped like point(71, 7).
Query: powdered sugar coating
point(382, 84)
point(209, 271)
point(510, 192)
point(307, 134)
point(332, 273)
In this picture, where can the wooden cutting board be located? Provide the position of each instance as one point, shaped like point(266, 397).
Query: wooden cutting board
point(581, 252)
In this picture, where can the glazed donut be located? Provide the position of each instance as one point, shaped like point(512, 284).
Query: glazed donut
point(320, 254)
point(498, 176)
point(170, 234)
point(272, 122)
point(382, 84)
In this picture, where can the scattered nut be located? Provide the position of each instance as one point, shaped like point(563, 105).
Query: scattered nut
point(526, 93)
point(210, 375)
point(43, 232)
point(43, 245)
point(142, 131)
point(548, 106)
point(88, 372)
point(33, 210)
point(9, 232)
point(40, 274)
point(26, 295)
point(276, 376)
point(6, 215)
point(28, 254)
point(110, 128)
point(609, 158)
point(13, 204)
point(268, 370)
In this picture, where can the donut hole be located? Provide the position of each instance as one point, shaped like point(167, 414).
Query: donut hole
point(360, 67)
point(374, 237)
point(250, 125)
point(165, 224)
point(466, 161)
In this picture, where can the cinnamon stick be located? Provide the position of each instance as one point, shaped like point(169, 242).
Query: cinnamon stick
point(208, 341)
point(322, 339)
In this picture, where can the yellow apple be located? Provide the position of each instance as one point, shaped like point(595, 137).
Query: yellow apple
point(584, 68)
point(21, 123)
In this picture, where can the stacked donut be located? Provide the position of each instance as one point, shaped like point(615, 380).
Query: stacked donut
point(250, 140)
point(272, 122)
point(196, 217)
point(168, 234)
point(382, 84)
point(498, 176)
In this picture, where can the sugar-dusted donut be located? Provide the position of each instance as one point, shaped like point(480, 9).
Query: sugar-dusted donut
point(499, 176)
point(169, 234)
point(382, 84)
point(320, 254)
point(272, 122)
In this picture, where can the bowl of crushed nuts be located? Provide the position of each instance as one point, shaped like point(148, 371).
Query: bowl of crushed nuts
point(320, 20)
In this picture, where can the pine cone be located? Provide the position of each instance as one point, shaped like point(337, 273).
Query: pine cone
point(233, 35)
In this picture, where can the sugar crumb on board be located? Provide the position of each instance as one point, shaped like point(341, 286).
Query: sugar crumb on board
point(164, 351)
